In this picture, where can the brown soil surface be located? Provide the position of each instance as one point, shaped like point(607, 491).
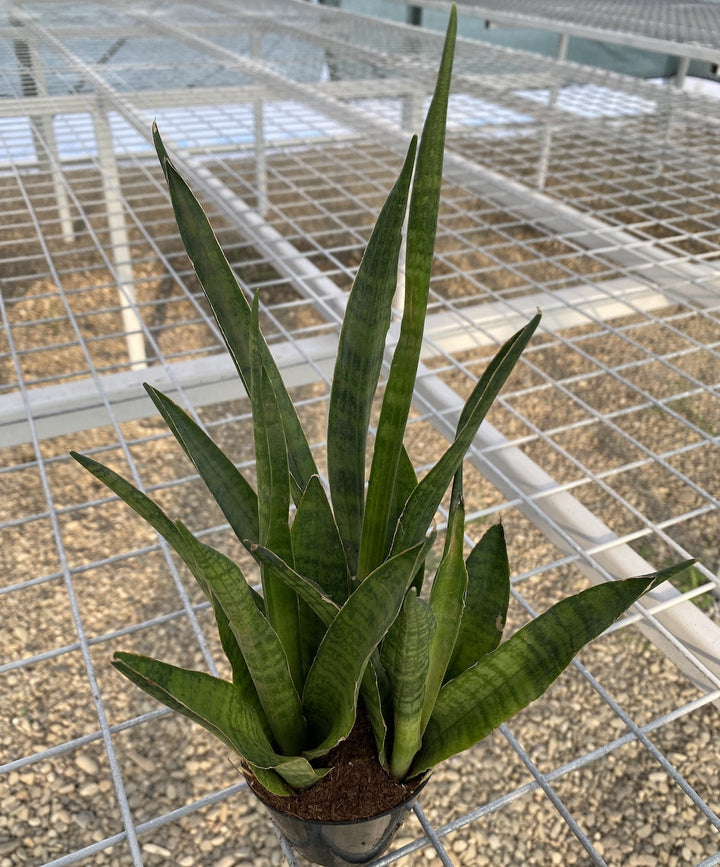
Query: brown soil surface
point(356, 787)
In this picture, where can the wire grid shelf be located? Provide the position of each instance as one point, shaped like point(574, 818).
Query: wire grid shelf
point(587, 194)
point(683, 28)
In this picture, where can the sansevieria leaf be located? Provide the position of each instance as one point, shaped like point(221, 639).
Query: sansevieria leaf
point(169, 530)
point(359, 359)
point(477, 701)
point(426, 497)
point(273, 480)
point(217, 706)
point(331, 688)
point(447, 601)
point(406, 655)
point(261, 647)
point(231, 491)
point(422, 222)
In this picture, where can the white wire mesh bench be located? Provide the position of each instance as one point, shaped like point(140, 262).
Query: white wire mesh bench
point(585, 193)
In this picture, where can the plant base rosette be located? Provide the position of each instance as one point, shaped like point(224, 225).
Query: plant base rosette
point(352, 815)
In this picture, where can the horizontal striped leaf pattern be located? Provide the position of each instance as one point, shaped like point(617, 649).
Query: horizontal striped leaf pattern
point(473, 704)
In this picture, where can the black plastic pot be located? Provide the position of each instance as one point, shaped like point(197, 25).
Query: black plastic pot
point(335, 844)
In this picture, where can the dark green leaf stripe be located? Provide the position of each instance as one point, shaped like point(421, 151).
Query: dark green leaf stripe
point(231, 491)
point(332, 685)
point(486, 601)
point(359, 359)
point(521, 669)
point(217, 706)
point(422, 222)
point(230, 307)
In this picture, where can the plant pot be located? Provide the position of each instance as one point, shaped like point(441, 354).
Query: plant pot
point(335, 844)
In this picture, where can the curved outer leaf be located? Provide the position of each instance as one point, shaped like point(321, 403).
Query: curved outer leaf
point(523, 667)
point(231, 309)
point(425, 499)
point(261, 648)
point(217, 706)
point(486, 601)
point(447, 600)
point(159, 521)
point(331, 688)
point(422, 224)
point(231, 491)
point(406, 655)
point(359, 359)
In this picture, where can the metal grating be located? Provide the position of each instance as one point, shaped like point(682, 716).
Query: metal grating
point(588, 194)
point(683, 28)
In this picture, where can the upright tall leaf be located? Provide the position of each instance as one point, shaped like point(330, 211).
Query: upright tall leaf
point(273, 481)
point(317, 547)
point(422, 222)
point(523, 667)
point(231, 309)
point(359, 359)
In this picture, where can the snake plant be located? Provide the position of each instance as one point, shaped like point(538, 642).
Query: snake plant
point(342, 621)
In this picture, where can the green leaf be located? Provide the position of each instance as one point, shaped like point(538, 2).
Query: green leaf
point(161, 523)
point(359, 359)
point(331, 688)
point(422, 222)
point(375, 694)
point(260, 645)
point(318, 554)
point(317, 547)
point(486, 601)
point(217, 706)
point(308, 590)
point(231, 491)
point(231, 309)
point(273, 481)
point(447, 600)
point(425, 499)
point(406, 655)
point(523, 667)
point(139, 502)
